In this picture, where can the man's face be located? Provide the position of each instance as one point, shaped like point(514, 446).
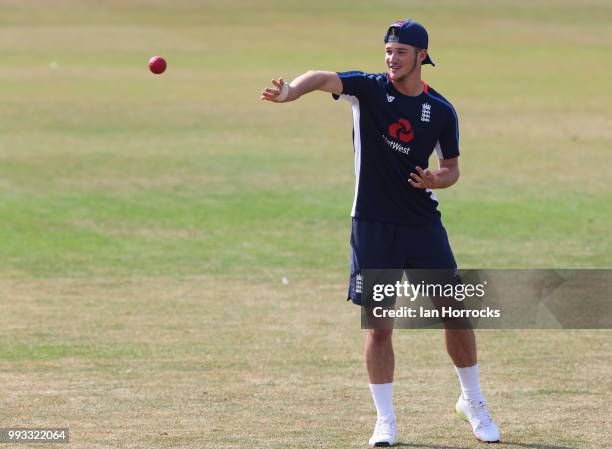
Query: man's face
point(402, 60)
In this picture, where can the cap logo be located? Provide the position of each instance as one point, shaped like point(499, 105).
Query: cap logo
point(393, 34)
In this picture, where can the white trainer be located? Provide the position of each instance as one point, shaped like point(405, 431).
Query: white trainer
point(477, 414)
point(384, 433)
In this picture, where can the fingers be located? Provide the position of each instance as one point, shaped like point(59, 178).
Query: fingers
point(424, 180)
point(426, 174)
point(420, 171)
point(269, 94)
point(278, 83)
point(416, 178)
point(416, 181)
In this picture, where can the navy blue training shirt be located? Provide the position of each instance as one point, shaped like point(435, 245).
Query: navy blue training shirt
point(392, 134)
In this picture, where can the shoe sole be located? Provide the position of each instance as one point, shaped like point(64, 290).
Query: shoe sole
point(383, 444)
point(465, 418)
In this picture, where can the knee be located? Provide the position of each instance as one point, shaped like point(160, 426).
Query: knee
point(380, 336)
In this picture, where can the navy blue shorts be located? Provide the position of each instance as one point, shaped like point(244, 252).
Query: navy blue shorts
point(391, 246)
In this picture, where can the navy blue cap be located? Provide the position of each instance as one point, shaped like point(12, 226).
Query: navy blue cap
point(409, 32)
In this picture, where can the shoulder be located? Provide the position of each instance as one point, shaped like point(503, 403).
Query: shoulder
point(361, 84)
point(379, 78)
point(436, 98)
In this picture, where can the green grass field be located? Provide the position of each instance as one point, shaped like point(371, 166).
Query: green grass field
point(148, 222)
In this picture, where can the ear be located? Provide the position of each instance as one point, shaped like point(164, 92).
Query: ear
point(422, 55)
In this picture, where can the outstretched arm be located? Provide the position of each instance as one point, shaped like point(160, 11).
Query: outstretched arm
point(310, 81)
point(445, 176)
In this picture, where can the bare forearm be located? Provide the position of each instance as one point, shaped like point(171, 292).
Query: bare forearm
point(314, 80)
point(310, 81)
point(445, 178)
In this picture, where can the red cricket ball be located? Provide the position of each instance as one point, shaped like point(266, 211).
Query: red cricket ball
point(157, 65)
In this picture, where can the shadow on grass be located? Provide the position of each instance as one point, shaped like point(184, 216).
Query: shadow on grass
point(501, 445)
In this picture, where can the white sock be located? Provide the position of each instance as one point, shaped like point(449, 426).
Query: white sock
point(470, 383)
point(383, 399)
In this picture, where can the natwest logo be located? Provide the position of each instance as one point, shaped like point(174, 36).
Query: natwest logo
point(401, 130)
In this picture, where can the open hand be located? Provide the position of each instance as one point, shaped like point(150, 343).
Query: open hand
point(426, 179)
point(277, 94)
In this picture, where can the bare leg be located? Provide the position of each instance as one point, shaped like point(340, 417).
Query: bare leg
point(380, 360)
point(461, 346)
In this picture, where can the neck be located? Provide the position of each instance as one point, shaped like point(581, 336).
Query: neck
point(411, 86)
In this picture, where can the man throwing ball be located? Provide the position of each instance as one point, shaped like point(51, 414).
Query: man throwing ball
point(398, 121)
